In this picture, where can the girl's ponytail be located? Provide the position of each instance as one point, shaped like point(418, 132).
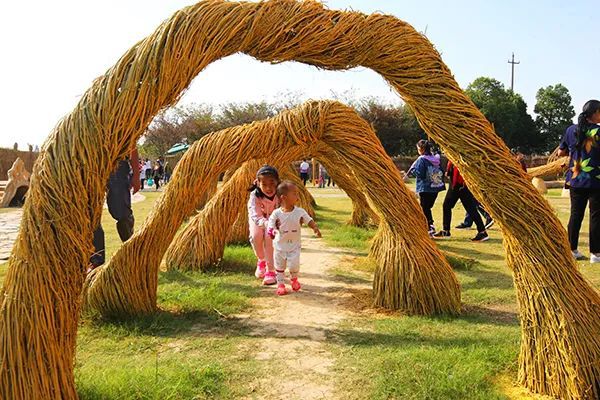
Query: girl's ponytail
point(583, 125)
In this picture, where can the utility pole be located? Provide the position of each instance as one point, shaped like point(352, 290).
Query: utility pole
point(512, 75)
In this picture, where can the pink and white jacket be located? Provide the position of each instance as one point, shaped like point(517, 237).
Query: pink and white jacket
point(260, 209)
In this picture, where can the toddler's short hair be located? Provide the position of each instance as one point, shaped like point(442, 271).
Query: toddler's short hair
point(284, 187)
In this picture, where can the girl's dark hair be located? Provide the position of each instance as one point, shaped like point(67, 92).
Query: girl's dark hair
point(424, 145)
point(263, 172)
point(583, 125)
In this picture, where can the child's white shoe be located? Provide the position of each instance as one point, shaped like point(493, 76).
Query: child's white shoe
point(270, 278)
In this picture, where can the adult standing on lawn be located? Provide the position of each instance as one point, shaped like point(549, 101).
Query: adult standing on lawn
point(125, 177)
point(304, 167)
point(580, 142)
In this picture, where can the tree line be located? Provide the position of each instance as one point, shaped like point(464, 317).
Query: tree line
point(395, 124)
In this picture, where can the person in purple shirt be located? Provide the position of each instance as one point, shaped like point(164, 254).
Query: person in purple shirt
point(580, 143)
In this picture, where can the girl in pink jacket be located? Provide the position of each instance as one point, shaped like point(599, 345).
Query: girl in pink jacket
point(263, 201)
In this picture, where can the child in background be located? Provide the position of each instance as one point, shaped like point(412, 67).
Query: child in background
point(285, 227)
point(430, 179)
point(263, 200)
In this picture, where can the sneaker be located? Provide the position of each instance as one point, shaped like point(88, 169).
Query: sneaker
point(441, 235)
point(594, 258)
point(579, 255)
point(281, 290)
point(462, 225)
point(431, 229)
point(261, 268)
point(295, 284)
point(480, 237)
point(489, 223)
point(270, 278)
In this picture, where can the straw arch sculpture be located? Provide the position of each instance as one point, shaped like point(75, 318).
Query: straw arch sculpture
point(559, 310)
point(413, 275)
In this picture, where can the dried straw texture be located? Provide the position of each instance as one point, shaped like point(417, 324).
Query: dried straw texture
point(551, 168)
point(202, 242)
point(560, 312)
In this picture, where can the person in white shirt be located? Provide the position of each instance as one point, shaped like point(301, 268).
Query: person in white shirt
point(304, 167)
point(285, 227)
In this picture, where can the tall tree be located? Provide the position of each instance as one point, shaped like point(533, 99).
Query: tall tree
point(554, 113)
point(507, 111)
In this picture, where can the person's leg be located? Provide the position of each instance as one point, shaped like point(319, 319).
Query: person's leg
point(468, 221)
point(294, 267)
point(98, 257)
point(595, 221)
point(280, 264)
point(427, 201)
point(449, 203)
point(579, 200)
point(470, 205)
point(142, 183)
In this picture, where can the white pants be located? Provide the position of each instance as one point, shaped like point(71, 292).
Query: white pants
point(289, 258)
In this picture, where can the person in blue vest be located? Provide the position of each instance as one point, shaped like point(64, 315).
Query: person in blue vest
point(580, 143)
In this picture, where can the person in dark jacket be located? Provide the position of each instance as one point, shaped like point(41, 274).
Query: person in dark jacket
point(430, 179)
point(459, 191)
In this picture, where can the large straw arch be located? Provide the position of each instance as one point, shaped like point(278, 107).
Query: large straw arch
point(560, 312)
point(413, 276)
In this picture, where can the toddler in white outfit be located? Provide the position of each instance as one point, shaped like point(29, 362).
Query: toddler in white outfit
point(285, 227)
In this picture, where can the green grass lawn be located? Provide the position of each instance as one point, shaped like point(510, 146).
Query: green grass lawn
point(470, 357)
point(191, 349)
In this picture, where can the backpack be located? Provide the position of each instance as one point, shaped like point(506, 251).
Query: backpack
point(435, 176)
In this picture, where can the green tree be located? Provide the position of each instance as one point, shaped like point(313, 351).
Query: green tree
point(507, 111)
point(554, 113)
point(396, 126)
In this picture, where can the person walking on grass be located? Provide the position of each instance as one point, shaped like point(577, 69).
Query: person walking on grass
point(468, 221)
point(580, 143)
point(459, 191)
point(304, 167)
point(284, 228)
point(263, 200)
point(430, 179)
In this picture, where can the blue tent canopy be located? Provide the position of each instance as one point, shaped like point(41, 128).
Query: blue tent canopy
point(178, 148)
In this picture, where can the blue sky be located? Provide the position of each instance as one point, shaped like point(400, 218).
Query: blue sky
point(53, 51)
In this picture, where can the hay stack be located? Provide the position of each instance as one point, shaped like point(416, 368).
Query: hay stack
point(540, 185)
point(560, 312)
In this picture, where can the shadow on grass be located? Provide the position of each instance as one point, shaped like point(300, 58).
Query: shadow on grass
point(471, 253)
point(487, 279)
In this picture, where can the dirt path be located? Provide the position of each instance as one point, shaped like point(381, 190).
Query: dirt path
point(294, 328)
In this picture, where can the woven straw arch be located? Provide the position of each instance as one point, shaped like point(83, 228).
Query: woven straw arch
point(560, 312)
point(413, 275)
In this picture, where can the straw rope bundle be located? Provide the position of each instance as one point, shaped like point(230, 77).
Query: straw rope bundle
point(560, 312)
point(551, 168)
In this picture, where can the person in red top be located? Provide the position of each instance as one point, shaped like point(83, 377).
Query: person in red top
point(459, 191)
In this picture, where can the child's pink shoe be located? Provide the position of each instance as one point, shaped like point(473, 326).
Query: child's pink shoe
point(270, 278)
point(281, 290)
point(261, 268)
point(295, 284)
